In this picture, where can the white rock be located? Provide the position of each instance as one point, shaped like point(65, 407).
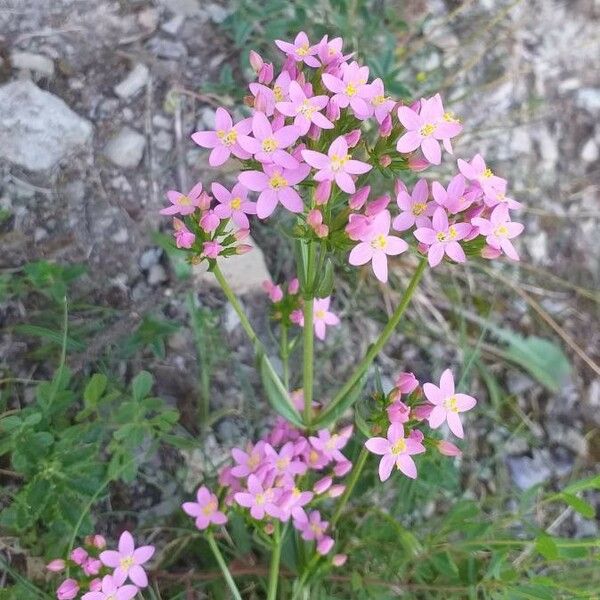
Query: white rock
point(126, 148)
point(161, 122)
point(527, 472)
point(120, 236)
point(188, 8)
point(163, 141)
point(207, 118)
point(157, 275)
point(537, 247)
point(37, 129)
point(173, 26)
point(29, 61)
point(588, 99)
point(589, 152)
point(134, 82)
point(216, 12)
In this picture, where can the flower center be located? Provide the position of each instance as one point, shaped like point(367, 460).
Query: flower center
point(269, 144)
point(302, 50)
point(111, 597)
point(427, 129)
point(210, 508)
point(501, 231)
point(331, 442)
point(450, 118)
point(452, 232)
point(316, 529)
point(351, 90)
point(296, 492)
point(260, 499)
point(378, 100)
point(399, 446)
point(380, 242)
point(450, 404)
point(320, 314)
point(184, 201)
point(228, 138)
point(418, 208)
point(278, 93)
point(338, 162)
point(441, 236)
point(282, 463)
point(488, 173)
point(253, 460)
point(126, 562)
point(236, 203)
point(313, 457)
point(277, 181)
point(306, 109)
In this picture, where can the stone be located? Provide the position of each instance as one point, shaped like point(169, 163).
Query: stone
point(590, 152)
point(163, 141)
point(231, 319)
point(37, 129)
point(588, 99)
point(207, 118)
point(187, 8)
point(149, 258)
point(126, 148)
point(148, 19)
point(120, 236)
point(167, 48)
point(38, 63)
point(134, 82)
point(216, 12)
point(173, 26)
point(526, 471)
point(157, 275)
point(161, 122)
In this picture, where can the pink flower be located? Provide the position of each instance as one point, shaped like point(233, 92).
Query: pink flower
point(323, 317)
point(351, 89)
point(267, 146)
point(293, 286)
point(382, 105)
point(330, 51)
point(426, 127)
point(259, 500)
point(224, 140)
point(457, 198)
point(398, 412)
point(499, 230)
point(274, 291)
point(414, 209)
point(377, 245)
point(312, 527)
point(247, 462)
point(339, 560)
point(183, 204)
point(275, 185)
point(447, 404)
point(331, 444)
point(128, 560)
point(292, 502)
point(448, 448)
point(211, 249)
point(304, 109)
point(407, 383)
point(265, 98)
point(477, 172)
point(336, 165)
point(395, 450)
point(300, 50)
point(112, 589)
point(284, 462)
point(233, 204)
point(184, 238)
point(92, 566)
point(205, 510)
point(68, 590)
point(443, 238)
point(210, 221)
point(342, 468)
point(56, 565)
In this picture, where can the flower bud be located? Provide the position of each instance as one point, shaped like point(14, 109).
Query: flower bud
point(352, 138)
point(324, 545)
point(376, 206)
point(78, 556)
point(339, 560)
point(314, 132)
point(417, 164)
point(490, 253)
point(211, 249)
point(332, 112)
point(398, 412)
point(336, 490)
point(406, 382)
point(274, 291)
point(256, 61)
point(67, 590)
point(422, 412)
point(322, 192)
point(95, 585)
point(92, 566)
point(241, 234)
point(297, 153)
point(386, 126)
point(322, 231)
point(204, 201)
point(56, 565)
point(358, 199)
point(209, 221)
point(269, 528)
point(293, 287)
point(342, 468)
point(297, 317)
point(399, 186)
point(265, 75)
point(243, 249)
point(448, 448)
point(385, 160)
point(322, 485)
point(314, 218)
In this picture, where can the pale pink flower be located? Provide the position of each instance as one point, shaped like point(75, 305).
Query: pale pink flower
point(382, 105)
point(68, 590)
point(323, 317)
point(284, 462)
point(304, 109)
point(448, 448)
point(457, 197)
point(426, 127)
point(258, 499)
point(209, 221)
point(205, 509)
point(351, 89)
point(292, 502)
point(414, 208)
point(275, 185)
point(447, 404)
point(501, 197)
point(377, 245)
point(442, 238)
point(92, 566)
point(224, 141)
point(247, 462)
point(330, 52)
point(398, 412)
point(339, 560)
point(396, 451)
point(330, 444)
point(499, 230)
point(265, 97)
point(128, 560)
point(233, 204)
point(184, 238)
point(211, 249)
point(183, 204)
point(56, 565)
point(268, 146)
point(312, 527)
point(300, 50)
point(274, 292)
point(407, 383)
point(112, 588)
point(477, 172)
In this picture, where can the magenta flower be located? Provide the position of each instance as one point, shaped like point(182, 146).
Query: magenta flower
point(396, 450)
point(414, 209)
point(247, 462)
point(224, 141)
point(284, 462)
point(79, 556)
point(211, 249)
point(499, 230)
point(381, 105)
point(265, 98)
point(477, 172)
point(351, 89)
point(292, 502)
point(322, 317)
point(275, 185)
point(267, 146)
point(447, 404)
point(92, 566)
point(233, 204)
point(304, 109)
point(112, 588)
point(330, 52)
point(205, 510)
point(312, 527)
point(300, 50)
point(259, 500)
point(457, 197)
point(425, 128)
point(331, 444)
point(68, 590)
point(128, 560)
point(442, 238)
point(336, 165)
point(407, 383)
point(184, 238)
point(377, 245)
point(184, 204)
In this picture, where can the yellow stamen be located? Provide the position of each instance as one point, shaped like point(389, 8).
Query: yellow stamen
point(501, 231)
point(488, 173)
point(260, 499)
point(399, 446)
point(441, 236)
point(282, 463)
point(303, 50)
point(306, 109)
point(236, 203)
point(269, 144)
point(228, 138)
point(337, 162)
point(210, 508)
point(351, 90)
point(452, 232)
point(450, 118)
point(278, 93)
point(331, 442)
point(418, 209)
point(450, 404)
point(277, 181)
point(380, 242)
point(184, 201)
point(320, 314)
point(378, 100)
point(427, 129)
point(127, 562)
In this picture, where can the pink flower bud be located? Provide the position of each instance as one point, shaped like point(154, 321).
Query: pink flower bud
point(358, 199)
point(342, 468)
point(269, 528)
point(398, 412)
point(314, 132)
point(274, 291)
point(67, 590)
point(490, 253)
point(297, 153)
point(336, 490)
point(241, 234)
point(339, 560)
point(95, 585)
point(78, 556)
point(324, 545)
point(293, 287)
point(314, 218)
point(322, 192)
point(422, 412)
point(376, 206)
point(297, 317)
point(448, 448)
point(322, 231)
point(256, 61)
point(322, 485)
point(211, 249)
point(386, 126)
point(416, 106)
point(417, 164)
point(406, 382)
point(56, 565)
point(385, 160)
point(400, 186)
point(204, 201)
point(352, 138)
point(261, 101)
point(243, 249)
point(92, 566)
point(99, 541)
point(416, 435)
point(209, 221)
point(332, 112)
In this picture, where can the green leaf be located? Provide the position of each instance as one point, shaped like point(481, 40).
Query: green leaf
point(55, 337)
point(327, 417)
point(585, 509)
point(325, 286)
point(276, 393)
point(141, 385)
point(444, 564)
point(547, 547)
point(589, 483)
point(94, 389)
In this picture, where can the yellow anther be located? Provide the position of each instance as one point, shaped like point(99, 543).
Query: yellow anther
point(277, 181)
point(451, 404)
point(418, 209)
point(427, 129)
point(399, 446)
point(351, 90)
point(278, 93)
point(269, 144)
point(380, 242)
point(236, 203)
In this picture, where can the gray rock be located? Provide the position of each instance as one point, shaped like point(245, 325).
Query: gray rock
point(126, 148)
point(187, 8)
point(134, 82)
point(590, 152)
point(167, 48)
point(588, 99)
point(150, 258)
point(173, 26)
point(526, 472)
point(38, 63)
point(207, 118)
point(231, 319)
point(163, 141)
point(120, 236)
point(157, 275)
point(216, 12)
point(161, 122)
point(37, 129)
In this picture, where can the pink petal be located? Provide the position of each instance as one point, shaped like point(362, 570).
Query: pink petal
point(291, 200)
point(407, 465)
point(138, 576)
point(321, 121)
point(431, 150)
point(320, 329)
point(333, 84)
point(509, 249)
point(297, 175)
point(254, 180)
point(127, 592)
point(435, 254)
point(385, 467)
point(447, 384)
point(377, 445)
point(455, 425)
point(191, 508)
point(266, 203)
point(286, 136)
point(260, 126)
point(466, 169)
point(249, 144)
point(143, 554)
point(110, 558)
point(437, 416)
point(206, 139)
point(395, 246)
point(219, 518)
point(357, 167)
point(202, 522)
point(403, 221)
point(420, 192)
point(440, 220)
point(220, 192)
point(244, 499)
point(223, 119)
point(439, 193)
point(425, 235)
point(218, 156)
point(345, 182)
point(433, 393)
point(380, 266)
point(455, 252)
point(409, 142)
point(464, 402)
point(409, 118)
point(361, 254)
point(126, 544)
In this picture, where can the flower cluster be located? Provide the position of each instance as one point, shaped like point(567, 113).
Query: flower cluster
point(317, 131)
point(102, 574)
point(402, 417)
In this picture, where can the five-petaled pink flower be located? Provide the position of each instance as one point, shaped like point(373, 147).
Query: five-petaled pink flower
point(258, 499)
point(442, 238)
point(112, 588)
point(396, 450)
point(224, 141)
point(381, 104)
point(275, 185)
point(184, 238)
point(458, 197)
point(336, 165)
point(477, 172)
point(233, 204)
point(285, 461)
point(322, 316)
point(247, 462)
point(312, 527)
point(205, 509)
point(377, 245)
point(447, 403)
point(331, 444)
point(184, 204)
point(128, 560)
point(414, 208)
point(304, 109)
point(351, 88)
point(300, 50)
point(499, 230)
point(426, 128)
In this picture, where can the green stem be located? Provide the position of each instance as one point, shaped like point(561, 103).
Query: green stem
point(309, 336)
point(305, 574)
point(285, 356)
point(356, 471)
point(385, 335)
point(225, 570)
point(274, 567)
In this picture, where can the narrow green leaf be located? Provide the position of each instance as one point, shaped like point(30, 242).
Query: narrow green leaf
point(325, 286)
point(585, 509)
point(589, 483)
point(547, 547)
point(276, 393)
point(327, 417)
